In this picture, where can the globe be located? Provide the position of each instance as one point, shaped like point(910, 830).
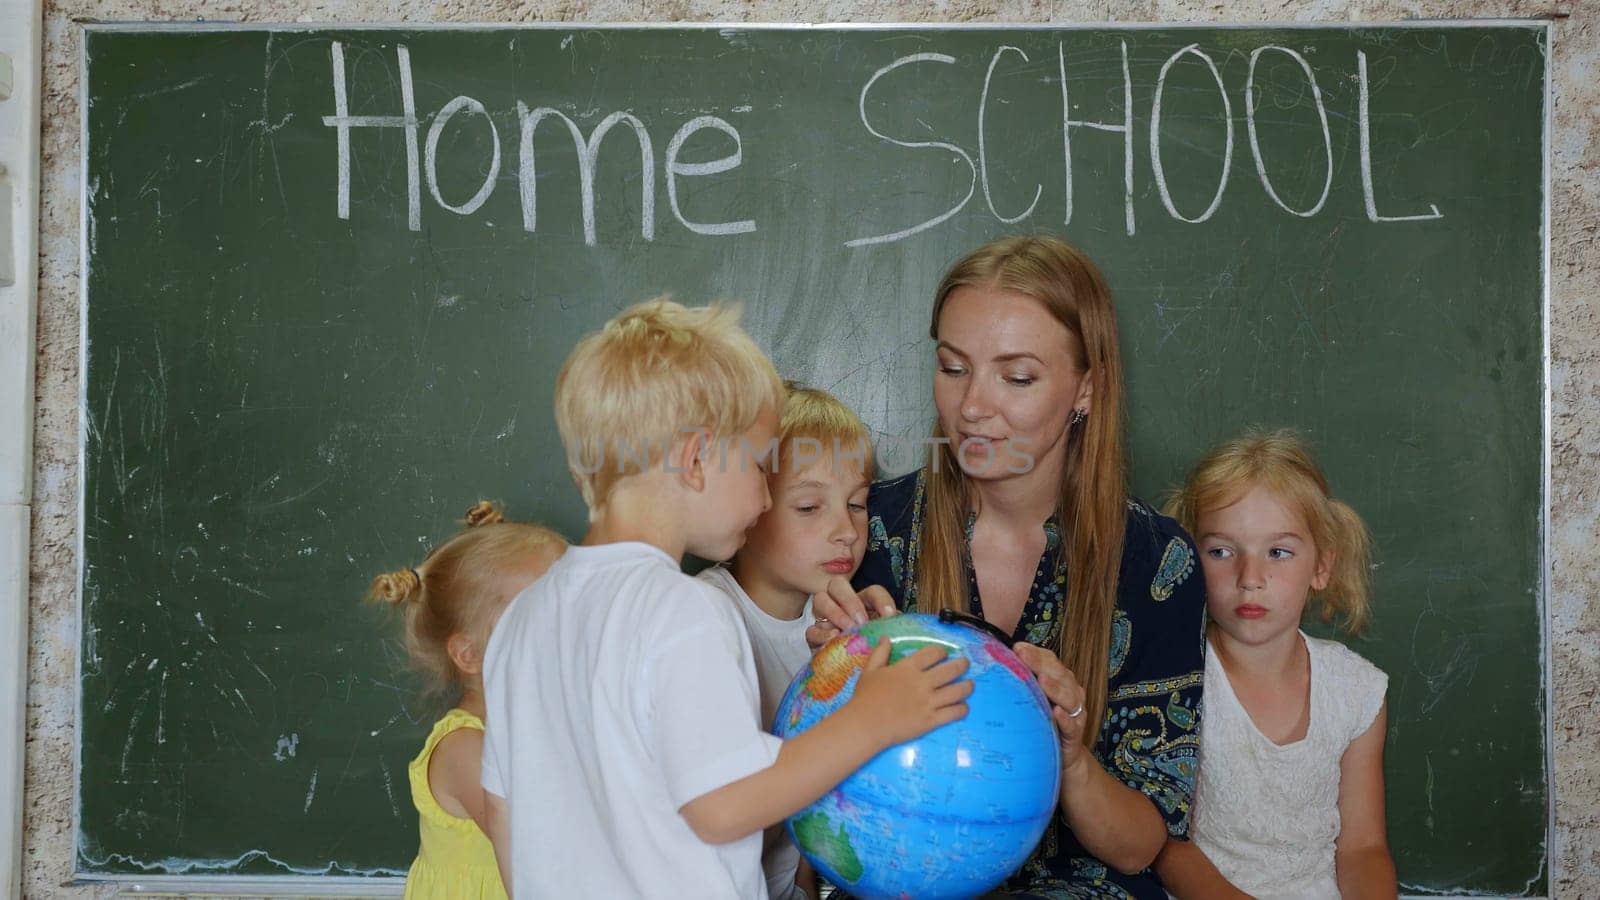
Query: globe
point(949, 814)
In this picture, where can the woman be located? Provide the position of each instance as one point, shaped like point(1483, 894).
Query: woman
point(1021, 516)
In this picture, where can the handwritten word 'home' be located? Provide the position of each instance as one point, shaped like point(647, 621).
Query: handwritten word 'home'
point(422, 162)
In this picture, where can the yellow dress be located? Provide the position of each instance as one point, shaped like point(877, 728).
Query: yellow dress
point(456, 860)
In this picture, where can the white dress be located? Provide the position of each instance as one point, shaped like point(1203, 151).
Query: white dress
point(1267, 815)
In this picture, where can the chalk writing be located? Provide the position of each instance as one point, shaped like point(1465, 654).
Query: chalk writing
point(1365, 119)
point(983, 153)
point(588, 152)
point(1068, 123)
point(423, 158)
point(952, 148)
point(1255, 145)
point(1158, 171)
point(432, 166)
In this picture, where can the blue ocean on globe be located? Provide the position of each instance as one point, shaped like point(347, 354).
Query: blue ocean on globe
point(950, 814)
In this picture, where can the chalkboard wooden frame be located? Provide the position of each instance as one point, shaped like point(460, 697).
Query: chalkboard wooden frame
point(344, 886)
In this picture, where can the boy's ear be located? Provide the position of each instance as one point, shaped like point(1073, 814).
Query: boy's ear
point(464, 652)
point(689, 457)
point(1324, 571)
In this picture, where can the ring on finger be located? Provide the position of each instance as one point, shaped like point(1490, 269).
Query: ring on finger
point(1076, 712)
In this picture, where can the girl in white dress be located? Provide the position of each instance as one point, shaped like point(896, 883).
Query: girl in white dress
point(1289, 801)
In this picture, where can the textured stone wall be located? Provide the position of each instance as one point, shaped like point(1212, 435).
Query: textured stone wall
point(1575, 338)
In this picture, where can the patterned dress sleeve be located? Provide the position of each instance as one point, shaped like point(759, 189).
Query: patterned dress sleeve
point(877, 566)
point(890, 533)
point(1151, 736)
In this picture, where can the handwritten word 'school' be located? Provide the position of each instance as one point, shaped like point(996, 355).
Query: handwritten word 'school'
point(422, 153)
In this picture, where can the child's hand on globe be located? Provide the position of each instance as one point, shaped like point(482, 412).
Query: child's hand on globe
point(913, 696)
point(840, 607)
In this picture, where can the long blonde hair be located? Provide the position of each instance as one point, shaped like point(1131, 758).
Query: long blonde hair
point(459, 589)
point(1092, 503)
point(1281, 462)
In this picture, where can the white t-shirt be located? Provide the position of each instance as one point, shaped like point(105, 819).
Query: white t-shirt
point(781, 651)
point(779, 644)
point(619, 689)
point(1267, 815)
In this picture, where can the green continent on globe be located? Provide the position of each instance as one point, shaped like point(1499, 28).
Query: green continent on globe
point(815, 834)
point(906, 635)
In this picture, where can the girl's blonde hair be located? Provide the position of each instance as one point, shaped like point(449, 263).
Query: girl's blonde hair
point(810, 414)
point(1092, 503)
point(459, 588)
point(656, 370)
point(1281, 462)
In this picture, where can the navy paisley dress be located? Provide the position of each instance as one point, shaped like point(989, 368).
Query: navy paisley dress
point(1151, 734)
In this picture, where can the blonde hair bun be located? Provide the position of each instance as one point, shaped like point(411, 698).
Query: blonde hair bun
point(484, 512)
point(470, 578)
point(397, 587)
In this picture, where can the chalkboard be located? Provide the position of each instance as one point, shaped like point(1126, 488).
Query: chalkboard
point(330, 276)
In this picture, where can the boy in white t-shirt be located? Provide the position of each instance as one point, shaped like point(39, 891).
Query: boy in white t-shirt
point(813, 537)
point(624, 755)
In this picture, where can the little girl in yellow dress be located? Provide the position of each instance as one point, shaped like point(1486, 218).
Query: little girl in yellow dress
point(451, 602)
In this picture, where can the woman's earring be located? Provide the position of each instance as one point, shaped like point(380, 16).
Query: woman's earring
point(1078, 416)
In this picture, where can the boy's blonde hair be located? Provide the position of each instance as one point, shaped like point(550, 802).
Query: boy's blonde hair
point(458, 588)
point(814, 415)
point(652, 373)
point(1281, 462)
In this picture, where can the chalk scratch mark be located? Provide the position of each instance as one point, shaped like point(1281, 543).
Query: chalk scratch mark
point(133, 731)
point(259, 671)
point(388, 787)
point(173, 89)
point(252, 858)
point(161, 710)
point(311, 791)
point(293, 498)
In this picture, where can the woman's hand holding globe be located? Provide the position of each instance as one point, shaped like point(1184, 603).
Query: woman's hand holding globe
point(1066, 705)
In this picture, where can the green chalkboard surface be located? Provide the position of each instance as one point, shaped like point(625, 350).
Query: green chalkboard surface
point(330, 276)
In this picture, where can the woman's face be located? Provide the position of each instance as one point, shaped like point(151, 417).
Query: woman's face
point(1007, 382)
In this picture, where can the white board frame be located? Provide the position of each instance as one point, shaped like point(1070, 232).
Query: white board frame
point(21, 37)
